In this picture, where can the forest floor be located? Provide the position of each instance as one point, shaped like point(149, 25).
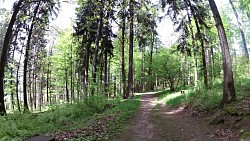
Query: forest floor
point(156, 121)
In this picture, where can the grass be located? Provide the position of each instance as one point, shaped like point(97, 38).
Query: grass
point(21, 126)
point(204, 99)
point(124, 111)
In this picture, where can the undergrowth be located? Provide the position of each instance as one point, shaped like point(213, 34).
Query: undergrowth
point(122, 113)
point(204, 99)
point(72, 116)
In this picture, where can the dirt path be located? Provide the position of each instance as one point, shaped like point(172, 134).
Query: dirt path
point(157, 122)
point(142, 127)
point(176, 124)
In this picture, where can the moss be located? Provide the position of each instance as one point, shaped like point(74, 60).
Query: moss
point(245, 135)
point(231, 110)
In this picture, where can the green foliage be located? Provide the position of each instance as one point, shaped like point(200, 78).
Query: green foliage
point(231, 110)
point(176, 101)
point(203, 99)
point(206, 100)
point(68, 117)
point(123, 111)
point(245, 135)
point(167, 66)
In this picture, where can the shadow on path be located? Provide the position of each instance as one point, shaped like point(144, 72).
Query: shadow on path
point(142, 127)
point(156, 121)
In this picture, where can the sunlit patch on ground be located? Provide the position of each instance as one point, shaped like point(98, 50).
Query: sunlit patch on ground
point(170, 96)
point(148, 93)
point(175, 111)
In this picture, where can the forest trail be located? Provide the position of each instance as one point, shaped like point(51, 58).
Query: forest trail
point(142, 127)
point(156, 121)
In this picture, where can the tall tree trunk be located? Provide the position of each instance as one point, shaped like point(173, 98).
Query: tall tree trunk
point(98, 36)
point(26, 108)
point(195, 50)
point(34, 93)
point(12, 90)
point(41, 92)
point(131, 47)
point(109, 78)
point(142, 68)
point(123, 82)
point(208, 60)
point(105, 72)
point(204, 67)
point(106, 61)
point(48, 84)
point(71, 75)
point(4, 53)
point(17, 80)
point(115, 86)
point(228, 84)
point(66, 83)
point(86, 76)
point(12, 76)
point(78, 78)
point(241, 31)
point(151, 86)
point(29, 91)
point(186, 66)
point(212, 62)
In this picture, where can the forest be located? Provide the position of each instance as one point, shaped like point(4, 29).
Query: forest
point(111, 75)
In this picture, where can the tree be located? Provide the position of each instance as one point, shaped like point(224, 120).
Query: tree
point(244, 5)
point(204, 67)
point(228, 84)
point(26, 58)
point(241, 30)
point(97, 39)
point(131, 46)
point(4, 53)
point(123, 27)
point(168, 70)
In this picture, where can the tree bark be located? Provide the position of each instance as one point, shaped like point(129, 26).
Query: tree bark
point(41, 92)
point(212, 62)
point(66, 83)
point(142, 67)
point(228, 84)
point(48, 84)
point(98, 36)
point(241, 31)
point(123, 83)
point(115, 86)
point(105, 72)
point(71, 75)
point(86, 75)
point(34, 93)
point(151, 86)
point(186, 65)
point(131, 47)
point(29, 91)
